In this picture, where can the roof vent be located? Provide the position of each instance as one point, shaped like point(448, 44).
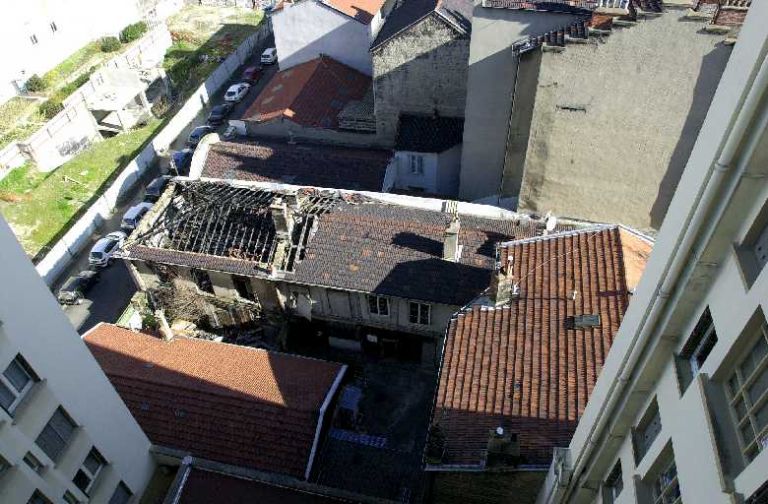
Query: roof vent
point(584, 321)
point(503, 448)
point(573, 295)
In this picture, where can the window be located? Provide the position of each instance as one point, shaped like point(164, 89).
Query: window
point(646, 431)
point(56, 434)
point(666, 489)
point(39, 498)
point(416, 163)
point(69, 498)
point(122, 494)
point(419, 313)
point(696, 350)
point(89, 471)
point(378, 305)
point(747, 392)
point(15, 382)
point(33, 463)
point(243, 287)
point(613, 485)
point(202, 280)
point(33, 39)
point(54, 28)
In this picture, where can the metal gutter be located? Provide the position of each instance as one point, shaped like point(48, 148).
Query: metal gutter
point(321, 415)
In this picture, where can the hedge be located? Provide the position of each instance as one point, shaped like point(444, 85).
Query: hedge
point(133, 32)
point(110, 44)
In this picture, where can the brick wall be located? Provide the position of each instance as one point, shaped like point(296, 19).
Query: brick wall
point(421, 70)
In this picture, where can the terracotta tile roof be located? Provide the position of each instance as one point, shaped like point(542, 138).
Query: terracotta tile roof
point(205, 487)
point(523, 366)
point(221, 402)
point(300, 164)
point(310, 94)
point(397, 251)
point(428, 134)
point(410, 12)
point(360, 10)
point(730, 16)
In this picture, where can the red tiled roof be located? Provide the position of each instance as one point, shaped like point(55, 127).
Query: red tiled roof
point(206, 487)
point(310, 94)
point(522, 366)
point(726, 16)
point(360, 10)
point(232, 404)
point(300, 164)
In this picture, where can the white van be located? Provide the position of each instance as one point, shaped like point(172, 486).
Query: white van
point(269, 56)
point(133, 216)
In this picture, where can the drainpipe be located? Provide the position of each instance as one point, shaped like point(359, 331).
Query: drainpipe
point(698, 225)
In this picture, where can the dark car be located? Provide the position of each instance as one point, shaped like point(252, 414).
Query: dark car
point(155, 188)
point(219, 113)
point(252, 74)
point(180, 161)
point(197, 134)
point(74, 289)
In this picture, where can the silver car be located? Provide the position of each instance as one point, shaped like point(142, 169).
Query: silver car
point(102, 252)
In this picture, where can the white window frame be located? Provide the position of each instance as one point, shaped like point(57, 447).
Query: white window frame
point(419, 313)
point(53, 430)
point(33, 39)
point(662, 485)
point(614, 484)
point(33, 462)
point(416, 164)
point(54, 26)
point(70, 498)
point(378, 301)
point(641, 439)
point(93, 476)
point(20, 394)
point(114, 494)
point(759, 440)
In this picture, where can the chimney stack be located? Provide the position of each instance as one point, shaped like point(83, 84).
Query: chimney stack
point(281, 217)
point(451, 247)
point(503, 287)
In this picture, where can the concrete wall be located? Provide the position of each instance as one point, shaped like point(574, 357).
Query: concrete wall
point(608, 142)
point(284, 129)
point(490, 87)
point(701, 258)
point(307, 29)
point(422, 70)
point(441, 171)
point(449, 166)
point(34, 326)
point(63, 251)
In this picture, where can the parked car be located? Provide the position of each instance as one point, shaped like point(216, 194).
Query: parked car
point(155, 188)
point(102, 252)
point(74, 289)
point(180, 161)
point(219, 113)
point(237, 92)
point(252, 74)
point(269, 56)
point(197, 134)
point(134, 214)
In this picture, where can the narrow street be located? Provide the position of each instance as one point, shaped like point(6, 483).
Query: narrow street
point(109, 297)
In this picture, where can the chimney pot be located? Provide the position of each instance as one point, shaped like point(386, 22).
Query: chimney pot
point(281, 217)
point(451, 247)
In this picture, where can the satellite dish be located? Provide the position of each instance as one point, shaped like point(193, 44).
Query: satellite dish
point(551, 223)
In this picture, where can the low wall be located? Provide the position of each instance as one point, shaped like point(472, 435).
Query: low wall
point(10, 157)
point(78, 236)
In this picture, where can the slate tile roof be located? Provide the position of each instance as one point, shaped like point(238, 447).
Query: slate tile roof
point(360, 10)
point(300, 164)
point(310, 94)
point(428, 134)
point(410, 12)
point(397, 251)
point(206, 487)
point(222, 402)
point(523, 366)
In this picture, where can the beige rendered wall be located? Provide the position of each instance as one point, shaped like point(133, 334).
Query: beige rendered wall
point(33, 325)
point(616, 118)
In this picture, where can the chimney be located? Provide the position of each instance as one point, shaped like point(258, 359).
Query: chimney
point(451, 247)
point(281, 217)
point(503, 287)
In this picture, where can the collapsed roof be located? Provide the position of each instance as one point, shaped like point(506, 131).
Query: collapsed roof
point(333, 239)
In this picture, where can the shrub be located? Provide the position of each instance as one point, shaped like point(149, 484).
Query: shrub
point(110, 44)
point(50, 108)
point(35, 84)
point(133, 32)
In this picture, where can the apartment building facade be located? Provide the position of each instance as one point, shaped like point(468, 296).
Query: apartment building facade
point(65, 434)
point(680, 410)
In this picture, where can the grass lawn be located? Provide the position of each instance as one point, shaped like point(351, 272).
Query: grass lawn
point(85, 57)
point(19, 118)
point(40, 206)
point(203, 35)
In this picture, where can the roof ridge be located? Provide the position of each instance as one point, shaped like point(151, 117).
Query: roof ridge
point(560, 234)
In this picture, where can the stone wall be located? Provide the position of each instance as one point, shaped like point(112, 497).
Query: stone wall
point(616, 118)
point(422, 70)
